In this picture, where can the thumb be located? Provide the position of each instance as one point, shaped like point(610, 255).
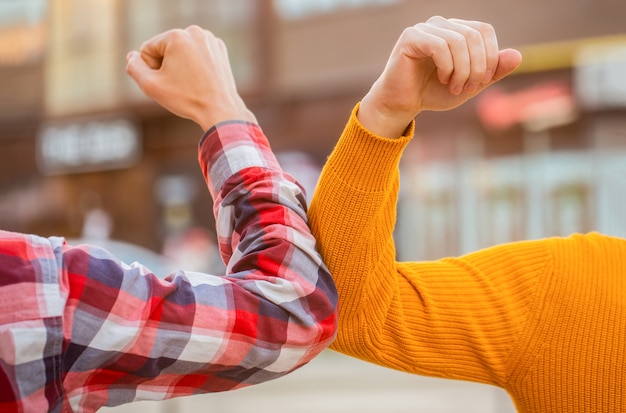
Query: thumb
point(509, 60)
point(137, 68)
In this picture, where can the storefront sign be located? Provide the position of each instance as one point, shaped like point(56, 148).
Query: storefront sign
point(88, 145)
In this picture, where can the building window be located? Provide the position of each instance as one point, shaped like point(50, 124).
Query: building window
point(232, 20)
point(24, 12)
point(298, 9)
point(21, 31)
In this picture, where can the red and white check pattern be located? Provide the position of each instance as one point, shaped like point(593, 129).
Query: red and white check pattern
point(79, 329)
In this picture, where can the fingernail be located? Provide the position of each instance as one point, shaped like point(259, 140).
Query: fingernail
point(471, 87)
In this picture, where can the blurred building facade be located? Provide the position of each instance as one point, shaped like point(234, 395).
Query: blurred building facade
point(539, 156)
point(82, 152)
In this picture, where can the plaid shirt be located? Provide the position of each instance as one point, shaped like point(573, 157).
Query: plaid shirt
point(79, 329)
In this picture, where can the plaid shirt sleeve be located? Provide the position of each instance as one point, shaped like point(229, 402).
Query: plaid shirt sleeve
point(80, 330)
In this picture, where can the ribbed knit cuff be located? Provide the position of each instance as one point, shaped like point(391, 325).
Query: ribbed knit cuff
point(371, 159)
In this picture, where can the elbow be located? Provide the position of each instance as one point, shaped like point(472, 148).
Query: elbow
point(312, 315)
point(323, 307)
point(320, 333)
point(314, 338)
point(326, 330)
point(316, 331)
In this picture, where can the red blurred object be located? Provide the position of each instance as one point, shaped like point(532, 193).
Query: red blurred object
point(538, 107)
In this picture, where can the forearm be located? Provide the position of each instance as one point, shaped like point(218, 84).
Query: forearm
point(263, 233)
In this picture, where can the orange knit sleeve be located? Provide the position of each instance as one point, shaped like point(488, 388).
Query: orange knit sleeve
point(455, 318)
point(543, 319)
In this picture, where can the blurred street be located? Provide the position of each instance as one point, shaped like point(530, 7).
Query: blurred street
point(333, 383)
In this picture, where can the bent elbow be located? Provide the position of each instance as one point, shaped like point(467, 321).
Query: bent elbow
point(319, 335)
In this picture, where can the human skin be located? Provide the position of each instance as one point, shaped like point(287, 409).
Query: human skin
point(436, 65)
point(187, 71)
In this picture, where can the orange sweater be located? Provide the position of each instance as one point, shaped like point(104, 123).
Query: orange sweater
point(545, 320)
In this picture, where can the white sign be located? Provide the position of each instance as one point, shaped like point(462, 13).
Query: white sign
point(89, 145)
point(600, 76)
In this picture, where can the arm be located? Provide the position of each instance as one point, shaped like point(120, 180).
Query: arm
point(132, 336)
point(418, 317)
point(192, 333)
point(456, 317)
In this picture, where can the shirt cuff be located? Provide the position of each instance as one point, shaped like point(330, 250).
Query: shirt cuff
point(230, 147)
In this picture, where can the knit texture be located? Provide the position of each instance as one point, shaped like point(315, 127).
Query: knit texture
point(545, 319)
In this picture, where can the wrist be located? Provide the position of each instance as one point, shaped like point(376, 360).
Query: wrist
point(383, 122)
point(209, 117)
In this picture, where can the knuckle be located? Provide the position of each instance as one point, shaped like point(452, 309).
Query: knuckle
point(473, 34)
point(408, 31)
point(195, 31)
point(436, 19)
point(177, 35)
point(221, 44)
point(485, 28)
point(457, 39)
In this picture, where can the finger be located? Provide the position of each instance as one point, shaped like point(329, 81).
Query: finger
point(508, 61)
point(459, 50)
point(152, 56)
point(198, 32)
point(136, 67)
point(420, 43)
point(469, 51)
point(153, 50)
point(490, 41)
point(139, 71)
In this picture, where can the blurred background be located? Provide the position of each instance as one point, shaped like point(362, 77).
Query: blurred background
point(84, 155)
